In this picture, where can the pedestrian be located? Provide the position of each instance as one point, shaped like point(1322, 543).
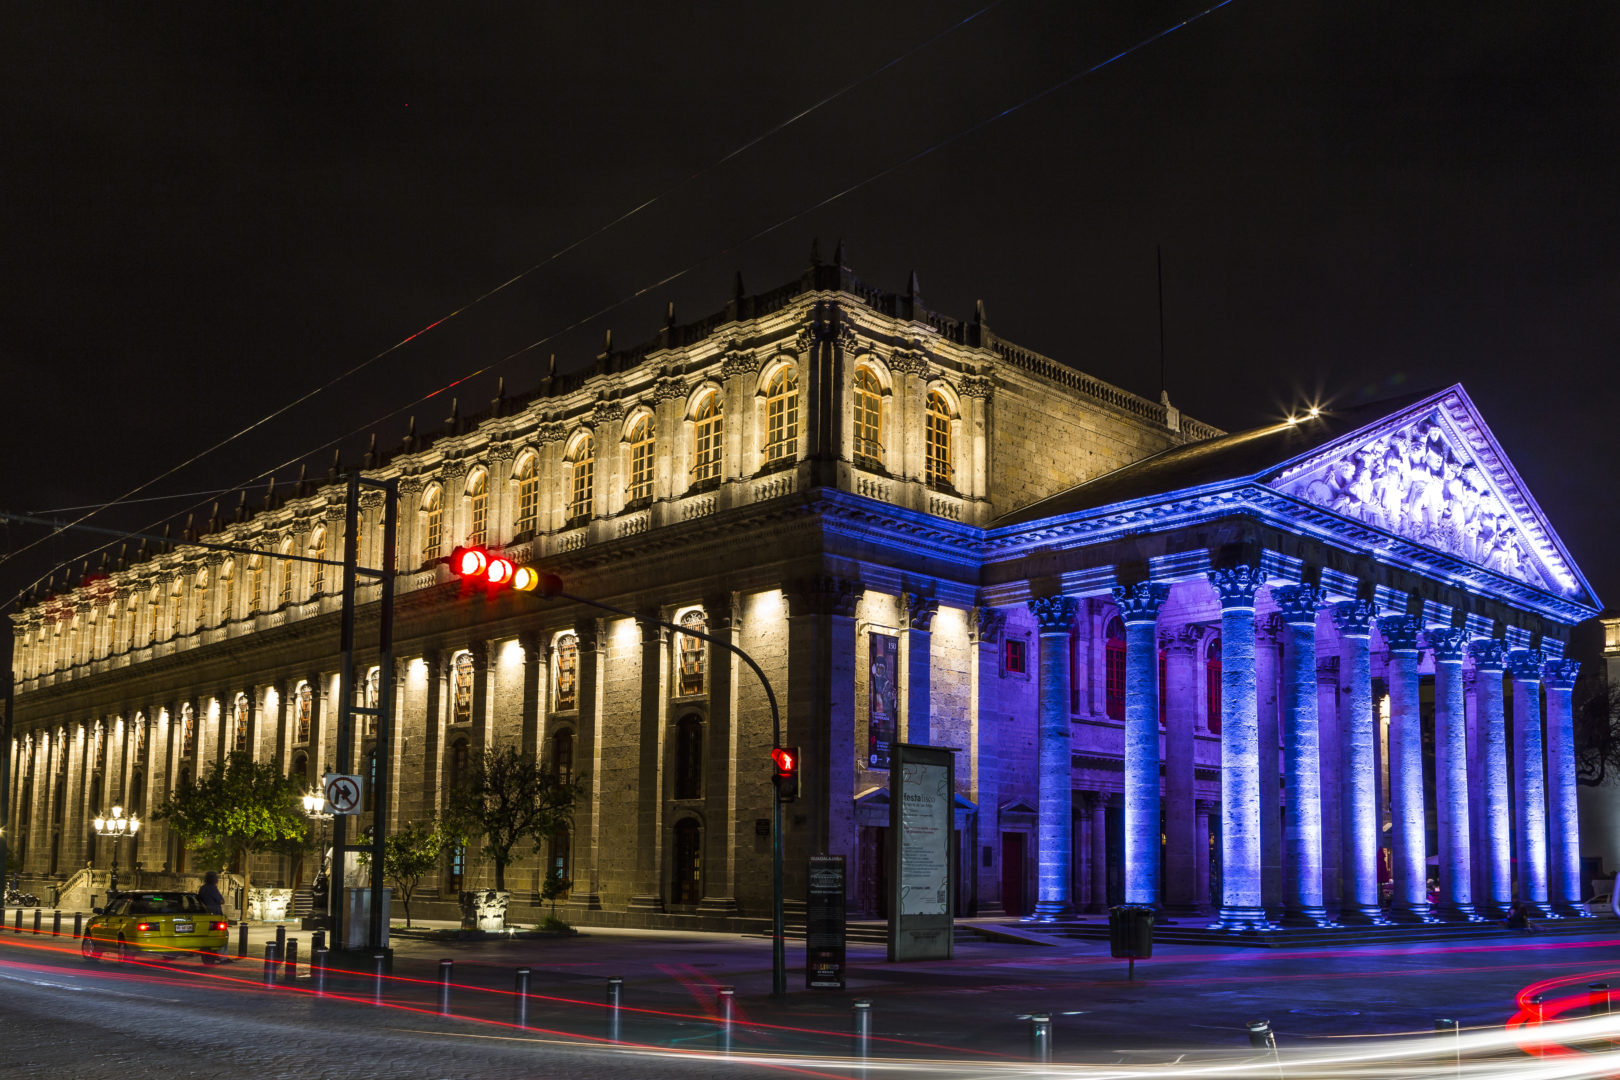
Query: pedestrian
point(1518, 918)
point(210, 895)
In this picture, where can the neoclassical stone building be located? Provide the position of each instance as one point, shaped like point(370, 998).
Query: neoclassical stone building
point(1249, 676)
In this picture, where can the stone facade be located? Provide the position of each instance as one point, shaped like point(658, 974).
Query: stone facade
point(919, 532)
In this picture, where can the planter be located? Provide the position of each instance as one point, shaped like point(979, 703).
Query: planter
point(269, 905)
point(484, 909)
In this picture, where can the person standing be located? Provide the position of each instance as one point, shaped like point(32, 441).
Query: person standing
point(210, 895)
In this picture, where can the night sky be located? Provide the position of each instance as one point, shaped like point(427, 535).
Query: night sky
point(211, 210)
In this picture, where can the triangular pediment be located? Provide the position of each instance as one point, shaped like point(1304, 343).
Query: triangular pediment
point(1432, 474)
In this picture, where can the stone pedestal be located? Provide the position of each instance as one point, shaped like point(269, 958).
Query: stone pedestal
point(484, 909)
point(269, 905)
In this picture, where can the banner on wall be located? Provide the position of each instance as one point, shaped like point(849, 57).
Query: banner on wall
point(883, 688)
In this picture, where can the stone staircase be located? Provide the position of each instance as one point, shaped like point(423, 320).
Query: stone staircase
point(1188, 931)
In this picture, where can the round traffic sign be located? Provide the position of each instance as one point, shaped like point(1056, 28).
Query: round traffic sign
point(342, 793)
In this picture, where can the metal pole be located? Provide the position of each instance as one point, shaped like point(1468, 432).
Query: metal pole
point(1445, 1026)
point(385, 693)
point(863, 1029)
point(728, 1001)
point(1040, 1036)
point(345, 737)
point(1597, 1001)
point(379, 963)
point(445, 968)
point(290, 964)
point(520, 999)
point(269, 963)
point(17, 923)
point(1536, 1010)
point(317, 969)
point(317, 940)
point(615, 993)
point(78, 924)
point(241, 939)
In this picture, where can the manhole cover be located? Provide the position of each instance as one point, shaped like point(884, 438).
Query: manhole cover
point(1325, 1012)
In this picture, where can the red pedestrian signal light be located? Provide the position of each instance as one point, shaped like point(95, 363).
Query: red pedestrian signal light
point(785, 772)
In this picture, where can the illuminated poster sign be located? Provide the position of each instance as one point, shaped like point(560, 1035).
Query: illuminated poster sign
point(922, 807)
point(824, 924)
point(883, 689)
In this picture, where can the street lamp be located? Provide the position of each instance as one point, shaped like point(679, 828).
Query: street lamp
point(315, 807)
point(117, 826)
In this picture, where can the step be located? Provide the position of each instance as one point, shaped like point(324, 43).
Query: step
point(1186, 932)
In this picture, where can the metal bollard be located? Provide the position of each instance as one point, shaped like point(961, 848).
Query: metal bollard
point(56, 923)
point(317, 940)
point(1040, 1036)
point(317, 969)
point(863, 1029)
point(78, 924)
point(1444, 1027)
point(241, 939)
point(728, 1002)
point(520, 998)
point(1537, 1013)
point(18, 923)
point(615, 994)
point(445, 968)
point(281, 940)
point(36, 920)
point(290, 964)
point(271, 958)
point(1597, 1001)
point(1261, 1036)
point(379, 963)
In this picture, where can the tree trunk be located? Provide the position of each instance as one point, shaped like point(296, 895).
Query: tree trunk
point(500, 875)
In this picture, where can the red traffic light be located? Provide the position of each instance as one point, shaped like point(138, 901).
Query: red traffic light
point(786, 759)
point(497, 571)
point(468, 562)
point(500, 571)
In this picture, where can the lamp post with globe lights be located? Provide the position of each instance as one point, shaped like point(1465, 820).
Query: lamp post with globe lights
point(117, 826)
point(315, 807)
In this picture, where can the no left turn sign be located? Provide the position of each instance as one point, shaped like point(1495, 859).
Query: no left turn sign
point(342, 793)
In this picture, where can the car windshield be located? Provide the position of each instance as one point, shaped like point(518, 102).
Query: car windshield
point(165, 904)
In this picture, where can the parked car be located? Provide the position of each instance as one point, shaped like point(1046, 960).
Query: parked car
point(1602, 900)
point(175, 923)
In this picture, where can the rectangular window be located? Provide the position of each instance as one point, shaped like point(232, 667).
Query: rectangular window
point(1017, 657)
point(432, 530)
point(480, 519)
point(528, 501)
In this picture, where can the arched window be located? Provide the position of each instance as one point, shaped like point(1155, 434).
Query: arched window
point(188, 731)
point(1114, 669)
point(708, 438)
point(642, 458)
point(868, 419)
point(582, 477)
point(686, 868)
point(691, 654)
point(455, 766)
point(286, 573)
point(528, 502)
point(689, 758)
point(562, 754)
point(478, 507)
point(317, 570)
point(456, 871)
point(432, 523)
point(461, 698)
point(300, 769)
point(304, 702)
point(255, 584)
point(199, 617)
point(137, 794)
point(940, 472)
point(227, 575)
point(1212, 689)
point(782, 414)
point(244, 712)
point(154, 613)
point(566, 656)
point(132, 616)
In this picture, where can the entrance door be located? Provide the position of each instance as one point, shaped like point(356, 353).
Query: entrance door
point(1014, 899)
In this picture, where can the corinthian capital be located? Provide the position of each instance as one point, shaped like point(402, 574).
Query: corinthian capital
point(1354, 617)
point(1237, 585)
point(1298, 604)
point(1490, 654)
point(1141, 602)
point(1447, 645)
point(1054, 613)
point(1560, 674)
point(1525, 665)
point(920, 610)
point(1400, 633)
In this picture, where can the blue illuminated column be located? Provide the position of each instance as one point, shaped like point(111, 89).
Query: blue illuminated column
point(1139, 607)
point(1558, 676)
point(1183, 840)
point(1241, 906)
point(1054, 827)
point(1530, 837)
point(1451, 774)
point(1400, 634)
point(1358, 798)
point(1496, 837)
point(1302, 825)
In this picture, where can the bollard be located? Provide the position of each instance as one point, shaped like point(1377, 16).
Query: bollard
point(615, 992)
point(241, 939)
point(445, 968)
point(1597, 1001)
point(1261, 1036)
point(317, 970)
point(271, 958)
point(379, 962)
point(56, 923)
point(317, 940)
point(863, 1029)
point(1537, 1013)
point(78, 924)
point(728, 1001)
point(36, 920)
point(18, 923)
point(520, 998)
point(281, 940)
point(290, 964)
point(1444, 1027)
point(1040, 1036)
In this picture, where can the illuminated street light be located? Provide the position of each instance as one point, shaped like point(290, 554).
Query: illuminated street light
point(117, 826)
point(315, 807)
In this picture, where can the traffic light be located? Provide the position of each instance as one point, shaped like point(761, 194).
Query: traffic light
point(785, 772)
point(474, 564)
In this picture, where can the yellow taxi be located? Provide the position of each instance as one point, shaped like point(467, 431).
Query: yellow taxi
point(156, 922)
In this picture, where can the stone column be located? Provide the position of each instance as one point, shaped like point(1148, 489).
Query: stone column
point(1329, 747)
point(819, 718)
point(1451, 775)
point(433, 732)
point(1558, 676)
point(919, 613)
point(1529, 796)
point(1055, 614)
point(481, 674)
point(586, 892)
point(1411, 901)
point(1182, 836)
point(1358, 793)
point(1496, 837)
point(1302, 839)
point(1268, 633)
point(648, 894)
point(1241, 906)
point(534, 667)
point(1201, 860)
point(1139, 607)
point(1099, 850)
point(719, 765)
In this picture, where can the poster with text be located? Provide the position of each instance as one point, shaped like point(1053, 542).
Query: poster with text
point(925, 839)
point(883, 681)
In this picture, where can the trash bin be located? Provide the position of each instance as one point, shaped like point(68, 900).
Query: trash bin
point(1130, 931)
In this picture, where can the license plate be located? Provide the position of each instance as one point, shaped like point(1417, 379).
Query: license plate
point(182, 927)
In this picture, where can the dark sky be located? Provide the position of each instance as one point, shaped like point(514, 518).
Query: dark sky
point(210, 210)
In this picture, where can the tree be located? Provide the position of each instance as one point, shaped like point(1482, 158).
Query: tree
point(409, 854)
point(1597, 737)
point(241, 808)
point(508, 798)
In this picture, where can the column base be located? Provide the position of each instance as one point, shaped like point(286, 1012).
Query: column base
point(722, 906)
point(1495, 910)
point(1306, 916)
point(990, 910)
point(1570, 911)
point(588, 901)
point(1240, 918)
point(1050, 911)
point(646, 903)
point(1363, 915)
point(1413, 913)
point(1539, 909)
point(1455, 913)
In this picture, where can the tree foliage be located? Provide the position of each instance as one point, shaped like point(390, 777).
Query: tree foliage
point(508, 798)
point(241, 808)
point(409, 855)
point(1597, 737)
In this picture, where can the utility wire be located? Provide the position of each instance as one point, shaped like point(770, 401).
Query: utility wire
point(704, 260)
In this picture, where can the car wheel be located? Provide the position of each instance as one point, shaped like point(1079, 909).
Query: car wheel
point(88, 949)
point(213, 956)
